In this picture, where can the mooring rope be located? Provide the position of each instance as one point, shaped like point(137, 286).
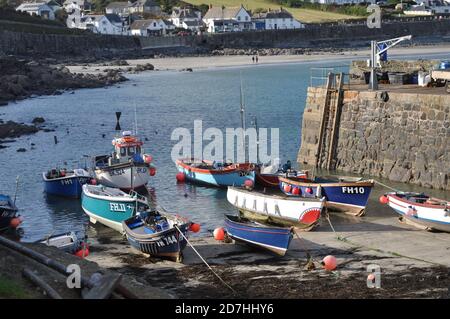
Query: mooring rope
point(204, 261)
point(384, 185)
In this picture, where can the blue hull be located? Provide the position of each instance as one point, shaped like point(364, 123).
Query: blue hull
point(169, 244)
point(220, 180)
point(8, 211)
point(274, 239)
point(67, 187)
point(346, 196)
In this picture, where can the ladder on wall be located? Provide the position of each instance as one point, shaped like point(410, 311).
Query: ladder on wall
point(328, 131)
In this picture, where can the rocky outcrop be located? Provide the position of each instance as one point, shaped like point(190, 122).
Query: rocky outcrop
point(20, 79)
point(12, 129)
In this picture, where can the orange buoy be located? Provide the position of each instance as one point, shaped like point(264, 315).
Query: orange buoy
point(296, 191)
point(194, 227)
point(180, 177)
point(384, 199)
point(15, 222)
point(329, 263)
point(152, 171)
point(219, 233)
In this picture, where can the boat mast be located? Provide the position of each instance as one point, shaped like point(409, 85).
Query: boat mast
point(257, 138)
point(242, 111)
point(17, 188)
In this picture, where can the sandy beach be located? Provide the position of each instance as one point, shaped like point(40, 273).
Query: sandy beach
point(206, 62)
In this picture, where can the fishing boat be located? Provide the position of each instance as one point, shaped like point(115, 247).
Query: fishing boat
point(127, 167)
point(111, 206)
point(67, 183)
point(267, 176)
point(421, 210)
point(269, 238)
point(68, 242)
point(303, 213)
point(348, 195)
point(216, 174)
point(9, 217)
point(157, 234)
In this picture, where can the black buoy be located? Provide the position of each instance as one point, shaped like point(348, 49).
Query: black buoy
point(118, 114)
point(103, 135)
point(55, 139)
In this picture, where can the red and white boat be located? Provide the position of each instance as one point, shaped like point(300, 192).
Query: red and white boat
point(420, 210)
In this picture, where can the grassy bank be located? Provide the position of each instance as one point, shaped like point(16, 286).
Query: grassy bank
point(11, 289)
point(304, 15)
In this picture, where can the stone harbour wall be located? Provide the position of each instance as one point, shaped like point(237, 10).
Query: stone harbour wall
point(405, 139)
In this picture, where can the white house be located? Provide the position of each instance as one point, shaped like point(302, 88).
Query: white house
point(81, 5)
point(104, 24)
point(37, 8)
point(151, 27)
point(220, 19)
point(278, 19)
point(340, 2)
point(119, 8)
point(186, 18)
point(428, 8)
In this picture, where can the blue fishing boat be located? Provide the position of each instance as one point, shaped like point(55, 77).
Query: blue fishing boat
point(157, 234)
point(9, 218)
point(216, 174)
point(346, 194)
point(111, 206)
point(273, 239)
point(67, 183)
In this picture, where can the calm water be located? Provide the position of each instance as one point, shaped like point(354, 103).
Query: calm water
point(164, 101)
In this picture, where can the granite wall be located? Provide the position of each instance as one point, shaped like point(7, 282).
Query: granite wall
point(405, 139)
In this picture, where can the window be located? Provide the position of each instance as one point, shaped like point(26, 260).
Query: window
point(131, 151)
point(123, 151)
point(246, 18)
point(239, 18)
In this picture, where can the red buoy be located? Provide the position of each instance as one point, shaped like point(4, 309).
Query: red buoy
point(15, 222)
point(148, 158)
point(296, 191)
point(248, 183)
point(384, 199)
point(329, 263)
point(180, 177)
point(152, 171)
point(93, 181)
point(287, 188)
point(371, 278)
point(83, 251)
point(194, 227)
point(309, 190)
point(219, 233)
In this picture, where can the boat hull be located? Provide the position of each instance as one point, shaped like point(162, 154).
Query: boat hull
point(168, 244)
point(420, 215)
point(281, 210)
point(8, 211)
point(66, 186)
point(347, 197)
point(267, 180)
point(235, 177)
point(110, 212)
point(273, 239)
point(124, 176)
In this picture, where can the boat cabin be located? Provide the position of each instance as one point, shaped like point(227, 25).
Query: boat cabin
point(126, 147)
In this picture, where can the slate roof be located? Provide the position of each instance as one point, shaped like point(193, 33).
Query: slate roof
point(222, 13)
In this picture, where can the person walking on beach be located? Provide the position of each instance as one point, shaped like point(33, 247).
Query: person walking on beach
point(256, 59)
point(253, 59)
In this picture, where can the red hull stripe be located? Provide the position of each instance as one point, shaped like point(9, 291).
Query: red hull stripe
point(415, 204)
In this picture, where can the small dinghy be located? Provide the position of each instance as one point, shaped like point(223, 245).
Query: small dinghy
point(269, 238)
point(156, 234)
point(68, 242)
point(9, 218)
point(215, 173)
point(303, 213)
point(267, 176)
point(347, 195)
point(421, 210)
point(67, 183)
point(111, 206)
